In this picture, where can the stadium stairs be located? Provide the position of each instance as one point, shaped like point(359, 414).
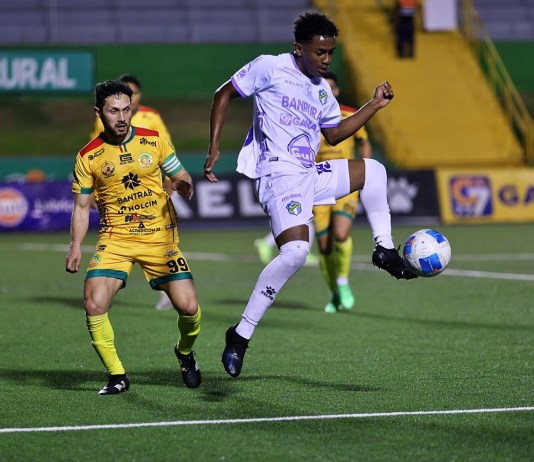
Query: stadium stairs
point(444, 113)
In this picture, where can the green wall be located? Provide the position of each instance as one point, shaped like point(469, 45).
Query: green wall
point(179, 71)
point(518, 58)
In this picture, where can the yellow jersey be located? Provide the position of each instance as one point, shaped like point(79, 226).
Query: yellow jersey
point(145, 117)
point(345, 149)
point(127, 183)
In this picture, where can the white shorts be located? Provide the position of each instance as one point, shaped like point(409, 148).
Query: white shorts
point(288, 197)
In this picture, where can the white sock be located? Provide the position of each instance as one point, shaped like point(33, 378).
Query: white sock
point(375, 202)
point(311, 229)
point(271, 280)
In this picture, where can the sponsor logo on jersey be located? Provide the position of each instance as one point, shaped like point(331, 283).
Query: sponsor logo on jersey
point(144, 230)
point(145, 160)
point(301, 149)
point(131, 181)
point(136, 207)
point(134, 196)
point(301, 106)
point(171, 253)
point(145, 141)
point(96, 154)
point(134, 217)
point(13, 207)
point(126, 158)
point(101, 248)
point(294, 84)
point(285, 118)
point(294, 208)
point(107, 169)
point(291, 196)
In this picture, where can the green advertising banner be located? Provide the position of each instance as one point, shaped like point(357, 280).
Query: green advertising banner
point(44, 71)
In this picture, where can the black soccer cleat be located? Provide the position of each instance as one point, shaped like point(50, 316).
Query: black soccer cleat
point(234, 352)
point(392, 262)
point(190, 370)
point(117, 384)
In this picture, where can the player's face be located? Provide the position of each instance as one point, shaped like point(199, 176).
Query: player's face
point(116, 116)
point(333, 87)
point(315, 57)
point(136, 97)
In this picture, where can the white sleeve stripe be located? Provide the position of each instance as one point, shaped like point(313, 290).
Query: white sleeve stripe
point(172, 165)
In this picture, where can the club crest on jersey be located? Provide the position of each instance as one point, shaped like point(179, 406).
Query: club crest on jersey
point(323, 96)
point(95, 260)
point(108, 169)
point(294, 208)
point(145, 160)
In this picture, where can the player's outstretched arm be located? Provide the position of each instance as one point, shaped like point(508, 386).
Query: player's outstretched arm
point(382, 96)
point(221, 102)
point(78, 229)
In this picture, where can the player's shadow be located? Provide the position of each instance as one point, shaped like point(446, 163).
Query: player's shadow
point(277, 304)
point(216, 386)
point(74, 302)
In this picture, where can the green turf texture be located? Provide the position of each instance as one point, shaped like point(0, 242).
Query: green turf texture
point(447, 343)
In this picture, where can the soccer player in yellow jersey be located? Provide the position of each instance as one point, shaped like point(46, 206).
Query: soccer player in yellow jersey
point(138, 224)
point(145, 117)
point(333, 222)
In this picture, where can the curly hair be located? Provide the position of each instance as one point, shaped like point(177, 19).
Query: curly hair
point(108, 88)
point(311, 23)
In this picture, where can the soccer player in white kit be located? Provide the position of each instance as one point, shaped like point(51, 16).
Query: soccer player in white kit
point(293, 104)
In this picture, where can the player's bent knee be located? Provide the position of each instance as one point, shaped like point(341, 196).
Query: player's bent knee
point(94, 309)
point(189, 308)
point(372, 165)
point(294, 253)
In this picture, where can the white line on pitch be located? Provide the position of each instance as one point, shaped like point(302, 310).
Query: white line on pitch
point(207, 256)
point(263, 419)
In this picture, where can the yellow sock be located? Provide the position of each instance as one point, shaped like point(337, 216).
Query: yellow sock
point(327, 263)
point(344, 257)
point(103, 340)
point(189, 327)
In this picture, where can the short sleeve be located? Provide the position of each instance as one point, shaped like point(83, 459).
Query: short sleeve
point(82, 179)
point(254, 76)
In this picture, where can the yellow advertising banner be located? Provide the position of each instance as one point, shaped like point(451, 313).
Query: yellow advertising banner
point(503, 195)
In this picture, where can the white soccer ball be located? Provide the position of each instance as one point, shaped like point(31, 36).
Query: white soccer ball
point(427, 252)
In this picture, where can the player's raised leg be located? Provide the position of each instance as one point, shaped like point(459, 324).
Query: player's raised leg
point(370, 177)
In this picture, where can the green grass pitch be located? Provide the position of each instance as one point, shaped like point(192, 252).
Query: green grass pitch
point(438, 369)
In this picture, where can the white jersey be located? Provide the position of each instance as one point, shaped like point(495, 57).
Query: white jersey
point(289, 111)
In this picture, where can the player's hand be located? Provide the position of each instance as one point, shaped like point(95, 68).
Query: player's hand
point(184, 188)
point(383, 94)
point(72, 264)
point(211, 160)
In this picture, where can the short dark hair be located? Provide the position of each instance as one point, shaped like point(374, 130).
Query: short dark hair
point(330, 75)
point(311, 23)
point(108, 88)
point(129, 78)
